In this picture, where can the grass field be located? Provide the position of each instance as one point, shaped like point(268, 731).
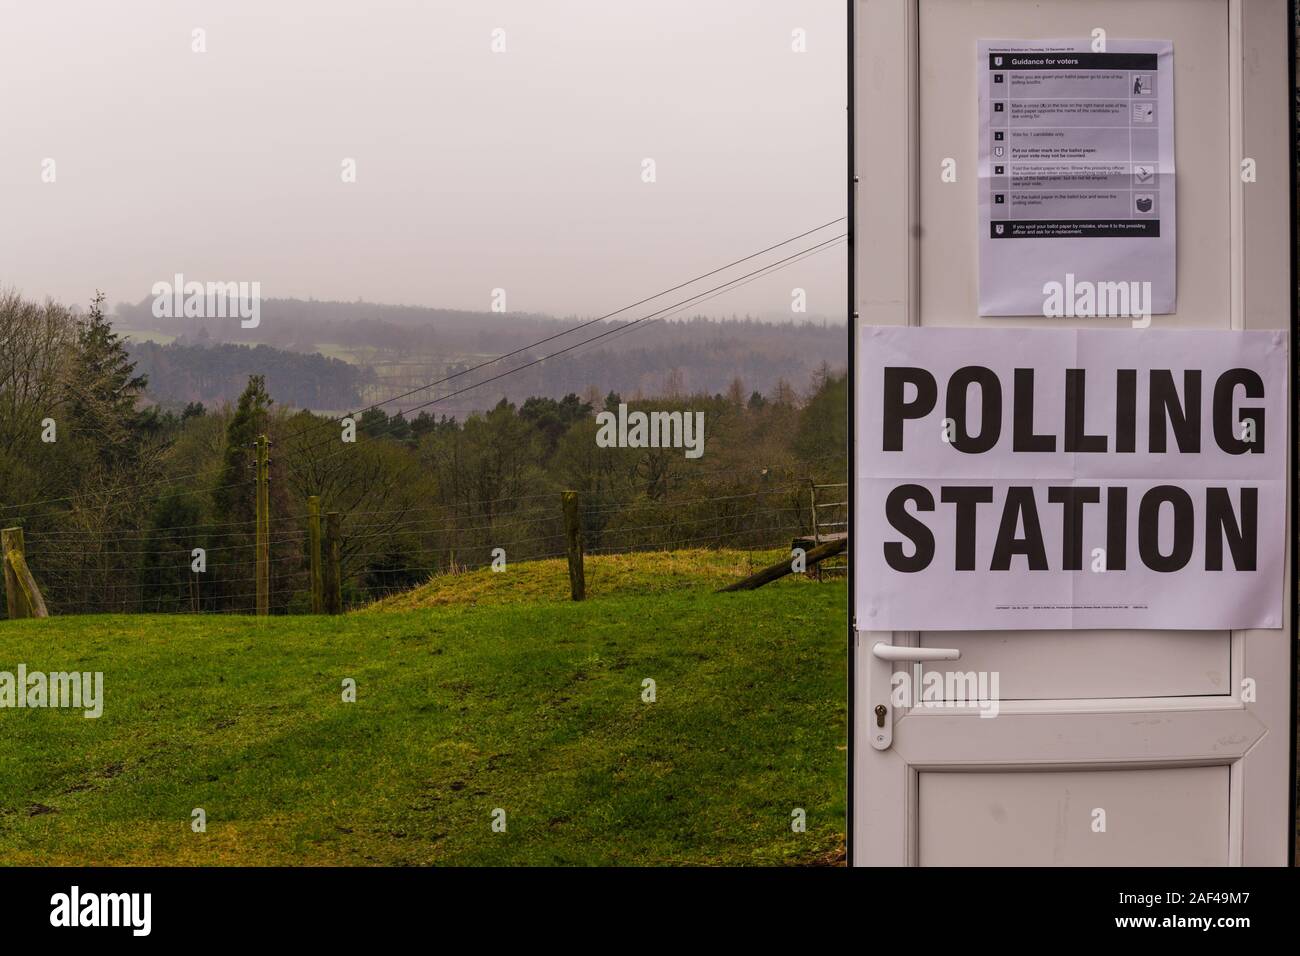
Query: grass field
point(607, 575)
point(145, 335)
point(493, 692)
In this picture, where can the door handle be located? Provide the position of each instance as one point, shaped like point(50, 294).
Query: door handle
point(880, 670)
point(894, 652)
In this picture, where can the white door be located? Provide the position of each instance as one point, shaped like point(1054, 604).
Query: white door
point(1150, 726)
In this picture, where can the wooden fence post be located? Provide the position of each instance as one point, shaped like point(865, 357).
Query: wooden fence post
point(333, 569)
point(313, 537)
point(573, 538)
point(263, 530)
point(812, 558)
point(10, 538)
point(22, 596)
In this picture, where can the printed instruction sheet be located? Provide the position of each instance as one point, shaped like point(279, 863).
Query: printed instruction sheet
point(1076, 178)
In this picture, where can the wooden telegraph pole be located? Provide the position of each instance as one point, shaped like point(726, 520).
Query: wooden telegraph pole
point(573, 538)
point(263, 528)
point(333, 569)
point(313, 538)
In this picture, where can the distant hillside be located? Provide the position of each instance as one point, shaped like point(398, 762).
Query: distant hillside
point(218, 373)
point(406, 347)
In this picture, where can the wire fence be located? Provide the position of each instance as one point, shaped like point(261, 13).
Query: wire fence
point(212, 568)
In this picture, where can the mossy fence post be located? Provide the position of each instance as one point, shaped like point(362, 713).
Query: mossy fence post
point(333, 565)
point(573, 538)
point(313, 537)
point(263, 529)
point(22, 596)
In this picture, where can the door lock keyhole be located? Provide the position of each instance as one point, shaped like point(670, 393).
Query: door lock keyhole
point(880, 715)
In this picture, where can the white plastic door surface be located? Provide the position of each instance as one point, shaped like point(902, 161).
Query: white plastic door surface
point(1150, 726)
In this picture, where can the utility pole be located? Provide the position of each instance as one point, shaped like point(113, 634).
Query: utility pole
point(313, 538)
point(263, 528)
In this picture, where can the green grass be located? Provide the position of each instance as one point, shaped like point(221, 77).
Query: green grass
point(527, 702)
point(607, 575)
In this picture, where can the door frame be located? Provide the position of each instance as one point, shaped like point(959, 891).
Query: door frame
point(898, 246)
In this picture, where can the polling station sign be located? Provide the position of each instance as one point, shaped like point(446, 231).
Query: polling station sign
point(1070, 478)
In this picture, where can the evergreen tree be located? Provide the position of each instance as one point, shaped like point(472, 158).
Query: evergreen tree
point(103, 389)
point(233, 496)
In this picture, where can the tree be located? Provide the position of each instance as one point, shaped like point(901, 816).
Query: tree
point(373, 423)
point(736, 392)
point(783, 394)
point(233, 498)
point(821, 437)
point(103, 389)
point(553, 418)
point(34, 343)
point(375, 485)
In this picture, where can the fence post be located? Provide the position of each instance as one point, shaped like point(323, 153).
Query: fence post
point(573, 538)
point(22, 596)
point(333, 569)
point(263, 530)
point(11, 538)
point(313, 537)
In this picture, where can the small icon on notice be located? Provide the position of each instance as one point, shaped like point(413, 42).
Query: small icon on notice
point(1144, 112)
point(1143, 175)
point(997, 61)
point(997, 107)
point(997, 77)
point(999, 229)
point(1144, 202)
point(999, 170)
point(999, 136)
point(998, 151)
point(1142, 85)
point(999, 198)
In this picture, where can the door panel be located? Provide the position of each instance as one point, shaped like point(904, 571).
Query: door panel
point(948, 127)
point(1038, 665)
point(1176, 817)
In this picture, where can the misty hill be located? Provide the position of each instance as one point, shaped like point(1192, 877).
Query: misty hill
point(214, 374)
point(396, 348)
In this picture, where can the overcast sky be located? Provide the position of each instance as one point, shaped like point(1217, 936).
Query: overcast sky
point(475, 170)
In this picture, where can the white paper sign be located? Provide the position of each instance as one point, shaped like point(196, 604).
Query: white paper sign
point(1076, 178)
point(1063, 478)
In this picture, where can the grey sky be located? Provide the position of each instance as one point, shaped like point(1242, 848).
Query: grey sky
point(520, 170)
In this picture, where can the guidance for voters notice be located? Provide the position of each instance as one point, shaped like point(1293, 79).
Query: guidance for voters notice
point(1076, 181)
